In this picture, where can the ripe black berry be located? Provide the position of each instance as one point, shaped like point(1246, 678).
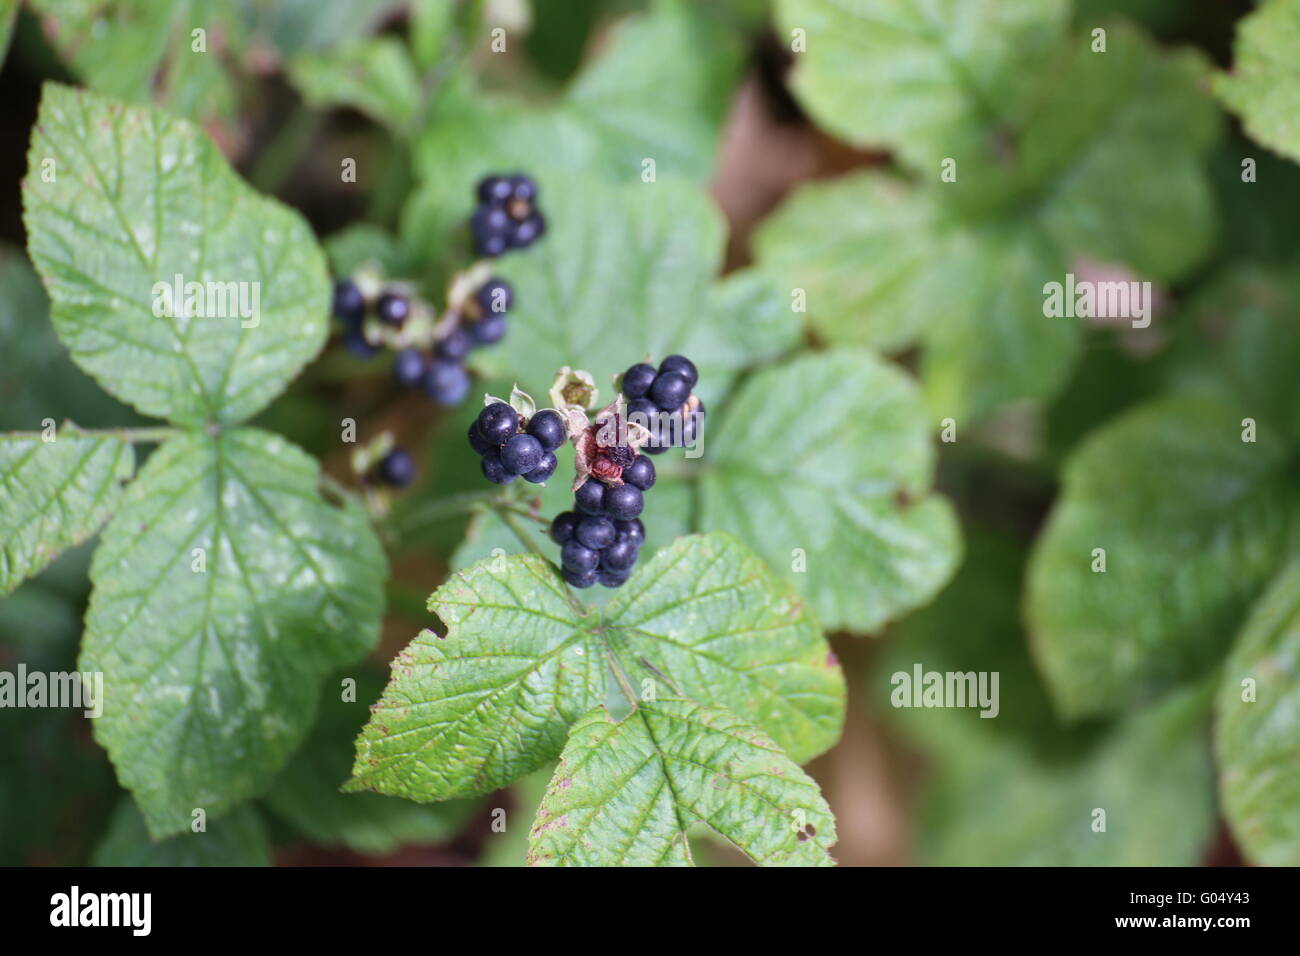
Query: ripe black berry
point(613, 579)
point(544, 470)
point(354, 339)
point(446, 382)
point(641, 473)
point(397, 468)
point(595, 532)
point(638, 379)
point(523, 188)
point(563, 526)
point(528, 231)
point(521, 454)
point(494, 471)
point(349, 303)
point(490, 227)
point(633, 531)
point(623, 502)
point(680, 363)
point(393, 308)
point(618, 555)
point(548, 428)
point(670, 389)
point(590, 498)
point(494, 188)
point(497, 422)
point(408, 368)
point(488, 330)
point(576, 556)
point(580, 579)
point(476, 441)
point(494, 296)
point(455, 345)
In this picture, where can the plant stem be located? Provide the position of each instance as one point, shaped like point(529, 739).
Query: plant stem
point(510, 520)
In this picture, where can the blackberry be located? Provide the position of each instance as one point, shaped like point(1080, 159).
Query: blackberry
point(355, 341)
point(497, 422)
point(521, 454)
point(392, 308)
point(544, 470)
point(670, 390)
point(563, 526)
point(488, 330)
point(494, 471)
point(618, 555)
point(641, 473)
point(446, 382)
point(595, 532)
point(580, 579)
point(408, 368)
point(548, 427)
point(476, 441)
point(494, 297)
point(613, 579)
point(528, 231)
point(507, 216)
point(455, 345)
point(397, 468)
point(590, 498)
point(680, 363)
point(349, 303)
point(576, 556)
point(638, 379)
point(633, 531)
point(494, 188)
point(623, 502)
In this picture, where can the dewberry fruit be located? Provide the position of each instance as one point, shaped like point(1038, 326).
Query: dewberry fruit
point(580, 579)
point(623, 502)
point(521, 454)
point(488, 330)
point(590, 498)
point(618, 555)
point(497, 422)
point(641, 473)
point(547, 426)
point(494, 189)
point(633, 531)
point(349, 303)
point(576, 556)
point(476, 441)
point(613, 579)
point(638, 379)
point(595, 532)
point(490, 227)
point(680, 363)
point(494, 296)
point(446, 382)
point(408, 368)
point(544, 470)
point(563, 525)
point(393, 308)
point(528, 231)
point(355, 341)
point(522, 188)
point(397, 468)
point(494, 471)
point(455, 345)
point(670, 390)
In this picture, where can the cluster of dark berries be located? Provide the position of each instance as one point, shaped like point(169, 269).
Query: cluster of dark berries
point(601, 538)
point(512, 446)
point(507, 216)
point(663, 401)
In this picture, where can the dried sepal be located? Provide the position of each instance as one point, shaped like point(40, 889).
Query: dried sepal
point(573, 388)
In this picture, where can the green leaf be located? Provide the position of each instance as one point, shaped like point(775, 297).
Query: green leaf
point(54, 495)
point(374, 75)
point(960, 267)
point(215, 657)
point(626, 272)
point(138, 198)
point(626, 792)
point(522, 661)
point(928, 78)
point(993, 802)
point(1264, 85)
point(1193, 520)
point(237, 839)
point(1257, 742)
point(306, 793)
point(844, 510)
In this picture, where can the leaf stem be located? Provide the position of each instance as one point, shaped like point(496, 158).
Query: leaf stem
point(509, 517)
point(621, 677)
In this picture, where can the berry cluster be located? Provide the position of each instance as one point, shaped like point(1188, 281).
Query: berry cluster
point(663, 401)
point(512, 446)
point(507, 216)
point(601, 538)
